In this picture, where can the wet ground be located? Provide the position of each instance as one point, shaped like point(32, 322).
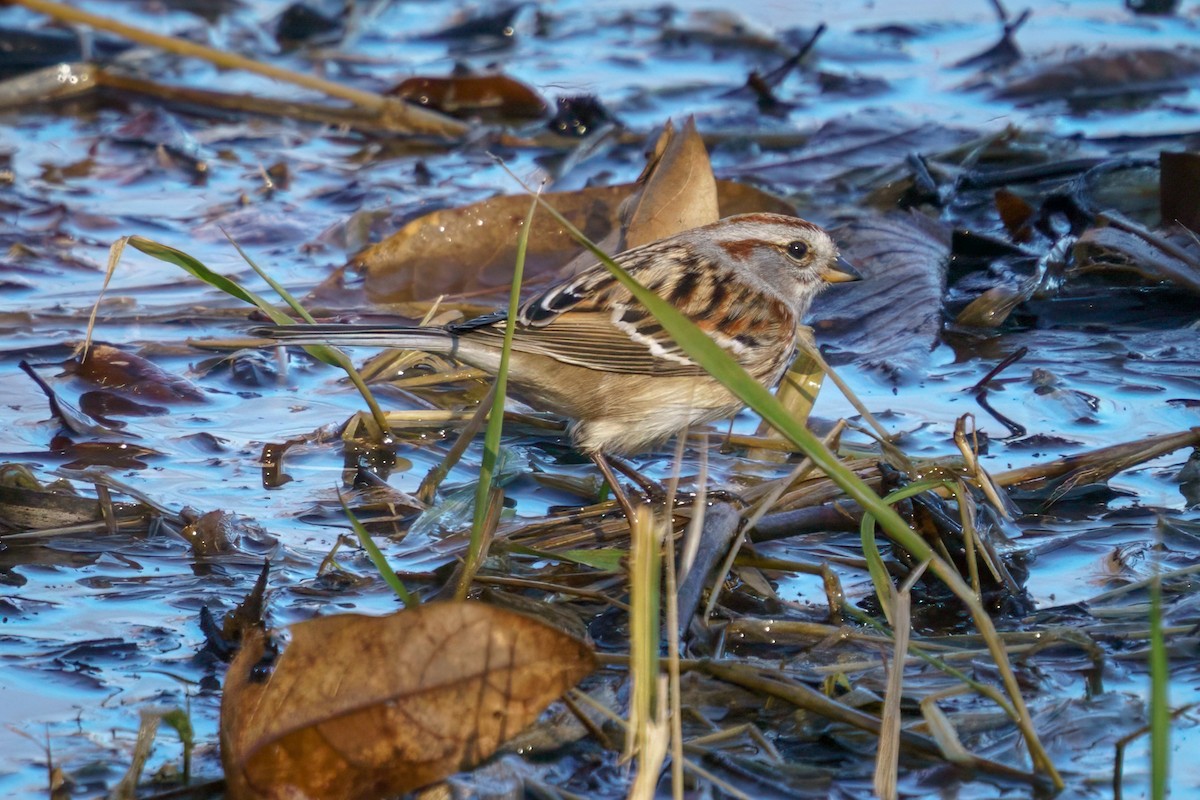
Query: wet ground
point(98, 626)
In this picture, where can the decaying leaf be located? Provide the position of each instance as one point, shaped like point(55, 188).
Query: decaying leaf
point(103, 406)
point(1005, 51)
point(489, 97)
point(26, 505)
point(854, 148)
point(581, 115)
point(1125, 246)
point(470, 249)
point(488, 25)
point(360, 706)
point(211, 533)
point(741, 198)
point(1016, 214)
point(115, 369)
point(301, 24)
point(675, 192)
point(722, 29)
point(71, 418)
point(993, 307)
point(1101, 76)
point(893, 318)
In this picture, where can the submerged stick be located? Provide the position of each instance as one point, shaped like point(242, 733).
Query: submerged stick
point(1101, 464)
point(395, 114)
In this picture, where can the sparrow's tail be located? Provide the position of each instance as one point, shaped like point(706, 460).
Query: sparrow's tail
point(428, 340)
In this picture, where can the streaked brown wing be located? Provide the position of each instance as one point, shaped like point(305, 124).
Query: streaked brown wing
point(594, 321)
point(655, 266)
point(591, 340)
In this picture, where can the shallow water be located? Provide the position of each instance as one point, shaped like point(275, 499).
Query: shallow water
point(97, 627)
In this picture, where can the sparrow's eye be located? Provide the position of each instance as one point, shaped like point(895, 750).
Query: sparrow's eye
point(797, 250)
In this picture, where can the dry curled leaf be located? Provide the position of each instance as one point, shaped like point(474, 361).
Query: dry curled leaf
point(993, 307)
point(1016, 214)
point(360, 706)
point(675, 192)
point(677, 189)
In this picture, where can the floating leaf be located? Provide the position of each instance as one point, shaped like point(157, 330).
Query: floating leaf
point(1016, 214)
point(992, 308)
point(1128, 247)
point(580, 115)
point(893, 318)
point(102, 405)
point(301, 24)
point(1102, 76)
point(724, 30)
point(360, 706)
point(113, 368)
point(26, 48)
point(496, 24)
point(863, 142)
point(489, 97)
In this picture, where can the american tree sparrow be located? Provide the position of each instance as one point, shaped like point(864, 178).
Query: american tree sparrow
point(586, 349)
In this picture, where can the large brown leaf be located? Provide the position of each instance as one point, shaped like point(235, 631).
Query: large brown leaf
point(1179, 175)
point(360, 706)
point(471, 249)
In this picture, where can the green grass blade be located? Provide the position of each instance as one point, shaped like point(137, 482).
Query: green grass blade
point(197, 269)
point(606, 559)
point(491, 437)
point(875, 566)
point(181, 722)
point(377, 558)
point(329, 355)
point(287, 296)
point(721, 366)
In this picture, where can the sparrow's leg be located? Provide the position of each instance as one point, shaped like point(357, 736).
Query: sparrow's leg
point(655, 492)
point(614, 484)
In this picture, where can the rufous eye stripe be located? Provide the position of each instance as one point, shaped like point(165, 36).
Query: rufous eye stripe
point(742, 249)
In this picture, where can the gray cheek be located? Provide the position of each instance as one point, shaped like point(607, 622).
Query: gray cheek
point(806, 278)
point(796, 289)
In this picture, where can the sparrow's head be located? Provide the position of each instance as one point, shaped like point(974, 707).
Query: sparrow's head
point(786, 256)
